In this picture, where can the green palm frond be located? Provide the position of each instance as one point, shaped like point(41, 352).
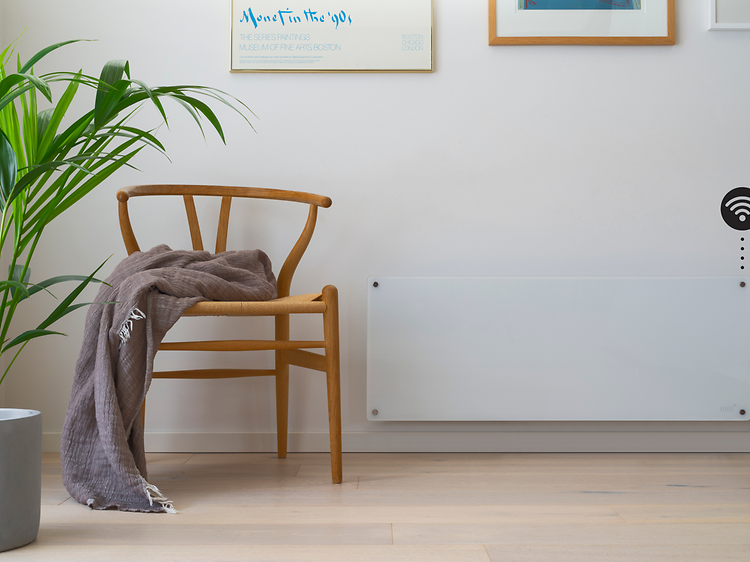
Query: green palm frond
point(46, 167)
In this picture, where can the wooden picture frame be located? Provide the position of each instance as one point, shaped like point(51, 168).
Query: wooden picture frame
point(510, 26)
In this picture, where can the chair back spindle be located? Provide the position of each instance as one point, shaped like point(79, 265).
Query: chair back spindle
point(221, 233)
point(131, 244)
point(284, 281)
point(192, 216)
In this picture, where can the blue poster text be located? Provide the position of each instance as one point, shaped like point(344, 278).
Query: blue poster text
point(289, 17)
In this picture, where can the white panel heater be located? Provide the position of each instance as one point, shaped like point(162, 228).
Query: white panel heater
point(558, 348)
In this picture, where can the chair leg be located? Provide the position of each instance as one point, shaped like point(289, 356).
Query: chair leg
point(333, 368)
point(143, 421)
point(282, 388)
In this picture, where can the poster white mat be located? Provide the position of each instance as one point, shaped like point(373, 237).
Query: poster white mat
point(331, 35)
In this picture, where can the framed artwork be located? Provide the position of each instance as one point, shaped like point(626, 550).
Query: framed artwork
point(729, 15)
point(582, 22)
point(331, 35)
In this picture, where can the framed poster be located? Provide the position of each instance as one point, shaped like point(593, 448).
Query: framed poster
point(581, 22)
point(729, 15)
point(331, 35)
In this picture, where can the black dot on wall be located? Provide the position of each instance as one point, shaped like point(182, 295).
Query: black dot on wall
point(742, 249)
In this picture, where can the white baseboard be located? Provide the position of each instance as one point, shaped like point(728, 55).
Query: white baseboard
point(463, 442)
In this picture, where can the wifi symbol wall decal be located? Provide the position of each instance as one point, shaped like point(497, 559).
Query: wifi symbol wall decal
point(735, 208)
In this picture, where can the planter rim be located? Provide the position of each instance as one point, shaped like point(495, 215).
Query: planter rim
point(17, 413)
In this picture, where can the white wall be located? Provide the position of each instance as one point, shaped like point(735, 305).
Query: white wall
point(538, 160)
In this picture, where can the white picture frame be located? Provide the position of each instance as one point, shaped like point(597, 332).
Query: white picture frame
point(331, 36)
point(729, 15)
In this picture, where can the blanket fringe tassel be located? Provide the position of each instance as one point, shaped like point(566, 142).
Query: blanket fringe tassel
point(155, 495)
point(127, 326)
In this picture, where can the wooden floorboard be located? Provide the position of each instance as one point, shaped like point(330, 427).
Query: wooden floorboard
point(493, 507)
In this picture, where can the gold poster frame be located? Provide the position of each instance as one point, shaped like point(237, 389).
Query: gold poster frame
point(327, 71)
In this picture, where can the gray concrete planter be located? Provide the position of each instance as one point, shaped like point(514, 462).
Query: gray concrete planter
point(20, 476)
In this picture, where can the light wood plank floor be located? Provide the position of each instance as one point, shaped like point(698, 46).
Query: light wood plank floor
point(443, 507)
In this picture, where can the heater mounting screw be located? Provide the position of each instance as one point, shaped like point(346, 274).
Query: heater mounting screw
point(374, 412)
point(742, 412)
point(742, 284)
point(375, 284)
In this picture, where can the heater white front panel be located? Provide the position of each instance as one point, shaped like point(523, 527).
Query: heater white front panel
point(558, 348)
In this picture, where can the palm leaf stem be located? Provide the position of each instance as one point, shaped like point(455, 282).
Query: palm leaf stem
point(8, 314)
point(10, 364)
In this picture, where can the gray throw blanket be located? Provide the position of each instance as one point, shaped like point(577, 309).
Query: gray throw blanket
point(102, 451)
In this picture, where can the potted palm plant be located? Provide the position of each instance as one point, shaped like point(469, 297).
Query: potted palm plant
point(50, 160)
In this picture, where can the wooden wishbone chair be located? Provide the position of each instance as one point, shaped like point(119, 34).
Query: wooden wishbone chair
point(286, 352)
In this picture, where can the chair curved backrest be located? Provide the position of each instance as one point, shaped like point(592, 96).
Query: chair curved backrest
point(284, 280)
